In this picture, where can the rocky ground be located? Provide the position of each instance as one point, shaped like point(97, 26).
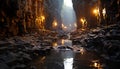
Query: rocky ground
point(103, 41)
point(16, 52)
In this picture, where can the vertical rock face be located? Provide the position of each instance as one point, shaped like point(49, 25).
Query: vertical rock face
point(83, 8)
point(53, 12)
point(8, 11)
point(17, 17)
point(112, 10)
point(14, 17)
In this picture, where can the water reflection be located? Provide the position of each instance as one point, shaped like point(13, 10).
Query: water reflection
point(82, 51)
point(68, 63)
point(64, 59)
point(64, 42)
point(96, 64)
point(79, 49)
point(68, 57)
point(55, 44)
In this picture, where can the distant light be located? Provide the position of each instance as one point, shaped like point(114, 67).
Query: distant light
point(65, 27)
point(68, 3)
point(68, 16)
point(95, 64)
point(42, 18)
point(62, 42)
point(75, 24)
point(82, 20)
point(96, 11)
point(55, 44)
point(104, 12)
point(55, 23)
point(84, 23)
point(82, 49)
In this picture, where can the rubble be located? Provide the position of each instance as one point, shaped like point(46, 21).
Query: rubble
point(17, 52)
point(104, 41)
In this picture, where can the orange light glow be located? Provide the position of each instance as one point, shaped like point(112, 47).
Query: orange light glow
point(82, 29)
point(82, 20)
point(55, 44)
point(95, 64)
point(40, 21)
point(62, 42)
point(55, 23)
point(96, 11)
point(84, 23)
point(42, 18)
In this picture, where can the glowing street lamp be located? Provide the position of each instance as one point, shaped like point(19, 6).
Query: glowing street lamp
point(84, 22)
point(55, 24)
point(42, 18)
point(96, 11)
point(40, 22)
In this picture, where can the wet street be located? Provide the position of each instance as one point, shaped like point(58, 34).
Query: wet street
point(70, 59)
